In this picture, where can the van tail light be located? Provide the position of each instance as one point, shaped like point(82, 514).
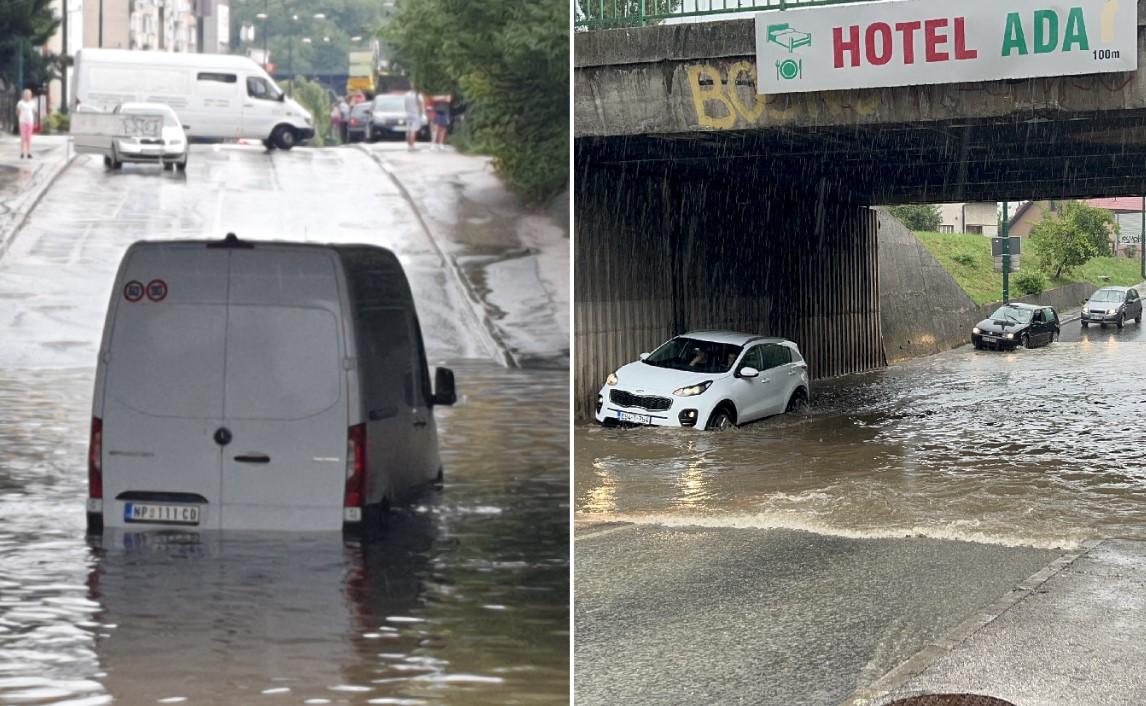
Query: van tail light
point(95, 460)
point(356, 467)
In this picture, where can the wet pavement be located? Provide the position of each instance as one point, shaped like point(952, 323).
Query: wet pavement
point(1075, 640)
point(464, 600)
point(740, 616)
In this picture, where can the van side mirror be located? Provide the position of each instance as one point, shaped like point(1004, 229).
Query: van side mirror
point(444, 391)
point(282, 98)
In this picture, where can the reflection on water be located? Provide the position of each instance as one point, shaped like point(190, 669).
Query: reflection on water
point(463, 601)
point(1044, 447)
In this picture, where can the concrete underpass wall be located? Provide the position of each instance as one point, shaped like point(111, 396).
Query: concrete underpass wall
point(655, 257)
point(923, 310)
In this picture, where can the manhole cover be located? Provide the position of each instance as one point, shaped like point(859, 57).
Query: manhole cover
point(950, 700)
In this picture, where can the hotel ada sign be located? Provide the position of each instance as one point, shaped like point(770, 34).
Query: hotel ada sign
point(909, 42)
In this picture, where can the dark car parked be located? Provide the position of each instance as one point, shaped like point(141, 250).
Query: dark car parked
point(358, 127)
point(1112, 305)
point(1013, 325)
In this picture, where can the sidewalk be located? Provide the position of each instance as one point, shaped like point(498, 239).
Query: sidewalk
point(1071, 635)
point(513, 260)
point(24, 181)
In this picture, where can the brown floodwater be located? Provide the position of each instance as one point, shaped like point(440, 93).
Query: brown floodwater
point(1043, 447)
point(464, 600)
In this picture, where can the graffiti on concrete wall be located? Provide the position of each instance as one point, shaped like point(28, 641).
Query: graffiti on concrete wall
point(724, 97)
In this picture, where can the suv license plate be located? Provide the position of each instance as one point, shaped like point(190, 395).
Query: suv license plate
point(635, 418)
point(161, 514)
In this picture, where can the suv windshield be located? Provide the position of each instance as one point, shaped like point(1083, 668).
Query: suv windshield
point(695, 355)
point(1012, 313)
point(1107, 295)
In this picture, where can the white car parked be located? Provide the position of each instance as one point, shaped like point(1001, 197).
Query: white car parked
point(707, 379)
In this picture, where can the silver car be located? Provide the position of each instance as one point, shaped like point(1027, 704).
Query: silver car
point(1112, 305)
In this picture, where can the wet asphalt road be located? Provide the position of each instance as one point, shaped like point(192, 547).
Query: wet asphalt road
point(463, 601)
point(738, 616)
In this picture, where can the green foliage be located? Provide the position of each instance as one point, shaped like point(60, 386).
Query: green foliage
point(25, 25)
point(312, 96)
point(980, 281)
point(1030, 282)
point(510, 61)
point(59, 122)
point(917, 216)
point(622, 13)
point(964, 258)
point(1072, 236)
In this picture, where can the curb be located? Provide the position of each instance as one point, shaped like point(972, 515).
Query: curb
point(27, 202)
point(919, 662)
point(498, 345)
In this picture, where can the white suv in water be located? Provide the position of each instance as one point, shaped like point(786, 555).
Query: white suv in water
point(707, 379)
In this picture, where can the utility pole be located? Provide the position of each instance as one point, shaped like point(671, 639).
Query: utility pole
point(1006, 257)
point(20, 67)
point(1142, 239)
point(64, 71)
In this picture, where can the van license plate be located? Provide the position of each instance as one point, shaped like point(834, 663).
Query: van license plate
point(161, 514)
point(635, 418)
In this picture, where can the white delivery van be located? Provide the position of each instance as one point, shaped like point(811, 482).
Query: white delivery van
point(260, 386)
point(216, 96)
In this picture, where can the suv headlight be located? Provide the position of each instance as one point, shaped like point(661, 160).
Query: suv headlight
point(1112, 311)
point(976, 331)
point(1011, 336)
point(612, 379)
point(692, 390)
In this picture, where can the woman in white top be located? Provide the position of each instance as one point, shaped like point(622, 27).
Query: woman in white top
point(26, 109)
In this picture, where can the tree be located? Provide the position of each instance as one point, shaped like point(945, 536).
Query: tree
point(918, 216)
point(1069, 238)
point(510, 63)
point(25, 25)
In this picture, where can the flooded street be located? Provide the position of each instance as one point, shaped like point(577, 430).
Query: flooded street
point(1042, 448)
point(463, 600)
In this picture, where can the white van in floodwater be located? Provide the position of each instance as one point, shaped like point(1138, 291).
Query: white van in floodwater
point(260, 386)
point(216, 96)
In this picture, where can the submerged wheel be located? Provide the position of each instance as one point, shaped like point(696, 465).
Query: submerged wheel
point(720, 420)
point(1026, 341)
point(1121, 320)
point(1085, 324)
point(798, 401)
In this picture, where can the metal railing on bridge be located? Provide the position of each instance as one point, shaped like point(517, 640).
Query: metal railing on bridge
point(607, 14)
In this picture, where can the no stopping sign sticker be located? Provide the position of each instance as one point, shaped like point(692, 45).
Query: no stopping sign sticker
point(156, 290)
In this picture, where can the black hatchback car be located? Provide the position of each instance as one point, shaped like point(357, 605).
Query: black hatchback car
point(1013, 325)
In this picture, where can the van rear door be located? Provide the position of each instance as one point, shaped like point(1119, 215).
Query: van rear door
point(163, 392)
point(285, 392)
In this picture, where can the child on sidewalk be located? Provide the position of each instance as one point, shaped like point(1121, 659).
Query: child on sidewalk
point(26, 109)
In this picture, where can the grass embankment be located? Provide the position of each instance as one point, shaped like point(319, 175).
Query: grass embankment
point(967, 257)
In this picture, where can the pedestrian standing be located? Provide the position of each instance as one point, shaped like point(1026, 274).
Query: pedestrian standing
point(415, 110)
point(441, 123)
point(335, 122)
point(344, 113)
point(26, 110)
